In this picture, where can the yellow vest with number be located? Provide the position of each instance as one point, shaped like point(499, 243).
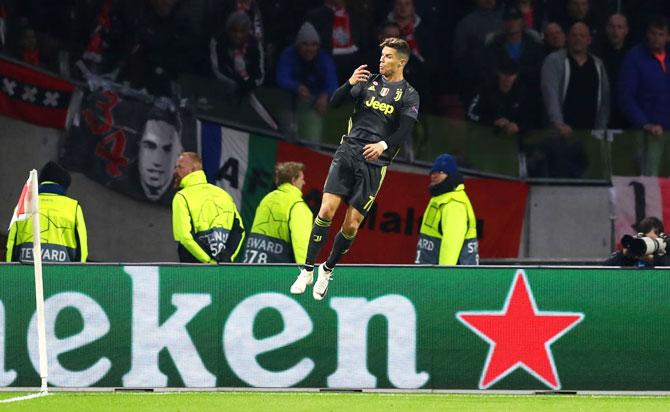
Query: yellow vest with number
point(281, 229)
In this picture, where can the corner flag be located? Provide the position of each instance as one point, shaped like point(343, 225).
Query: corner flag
point(27, 207)
point(28, 203)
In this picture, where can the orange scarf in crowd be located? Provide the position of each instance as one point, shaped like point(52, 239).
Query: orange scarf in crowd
point(660, 56)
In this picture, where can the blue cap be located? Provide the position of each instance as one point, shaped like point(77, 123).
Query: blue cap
point(445, 163)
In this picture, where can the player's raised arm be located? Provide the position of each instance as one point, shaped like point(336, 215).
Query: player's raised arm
point(343, 93)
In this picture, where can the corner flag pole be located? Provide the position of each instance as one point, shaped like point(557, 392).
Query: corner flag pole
point(39, 286)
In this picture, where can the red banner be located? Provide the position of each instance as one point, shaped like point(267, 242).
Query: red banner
point(391, 230)
point(32, 96)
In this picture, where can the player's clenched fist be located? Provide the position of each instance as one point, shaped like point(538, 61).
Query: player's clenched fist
point(361, 75)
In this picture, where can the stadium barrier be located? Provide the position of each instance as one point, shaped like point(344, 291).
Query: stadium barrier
point(379, 327)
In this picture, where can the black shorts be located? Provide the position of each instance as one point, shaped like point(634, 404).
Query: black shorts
point(351, 177)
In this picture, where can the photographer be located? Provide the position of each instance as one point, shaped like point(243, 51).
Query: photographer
point(646, 249)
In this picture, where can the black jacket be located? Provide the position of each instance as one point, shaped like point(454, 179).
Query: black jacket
point(619, 259)
point(532, 56)
point(490, 104)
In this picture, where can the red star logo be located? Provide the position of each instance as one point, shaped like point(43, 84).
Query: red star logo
point(520, 336)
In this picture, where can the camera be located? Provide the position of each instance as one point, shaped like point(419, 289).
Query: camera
point(640, 245)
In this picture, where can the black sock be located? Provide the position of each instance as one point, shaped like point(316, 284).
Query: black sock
point(317, 239)
point(340, 248)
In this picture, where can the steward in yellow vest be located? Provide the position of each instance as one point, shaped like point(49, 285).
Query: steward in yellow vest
point(283, 221)
point(63, 230)
point(205, 220)
point(448, 234)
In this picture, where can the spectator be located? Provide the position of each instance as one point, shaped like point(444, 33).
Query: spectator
point(341, 32)
point(256, 27)
point(309, 74)
point(644, 92)
point(31, 48)
point(505, 105)
point(554, 38)
point(469, 44)
point(164, 45)
point(519, 45)
point(279, 30)
point(612, 50)
point(641, 11)
point(235, 57)
point(533, 14)
point(283, 221)
point(576, 96)
point(251, 9)
point(411, 28)
point(63, 229)
point(579, 11)
point(28, 51)
point(205, 220)
point(448, 234)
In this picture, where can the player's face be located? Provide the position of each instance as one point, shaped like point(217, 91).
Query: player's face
point(390, 62)
point(299, 181)
point(437, 177)
point(157, 153)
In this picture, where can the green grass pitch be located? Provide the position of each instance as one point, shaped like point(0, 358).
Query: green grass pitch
point(309, 401)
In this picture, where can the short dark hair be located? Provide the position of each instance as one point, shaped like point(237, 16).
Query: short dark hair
point(650, 223)
point(400, 45)
point(286, 172)
point(657, 22)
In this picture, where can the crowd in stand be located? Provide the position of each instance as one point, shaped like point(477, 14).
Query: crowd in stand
point(515, 65)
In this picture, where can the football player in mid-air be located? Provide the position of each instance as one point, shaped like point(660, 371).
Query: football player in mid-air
point(386, 108)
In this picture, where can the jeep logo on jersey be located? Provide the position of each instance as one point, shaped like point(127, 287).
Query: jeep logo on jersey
point(384, 91)
point(385, 108)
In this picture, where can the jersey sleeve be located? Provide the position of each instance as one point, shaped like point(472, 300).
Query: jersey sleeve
point(357, 90)
point(410, 106)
